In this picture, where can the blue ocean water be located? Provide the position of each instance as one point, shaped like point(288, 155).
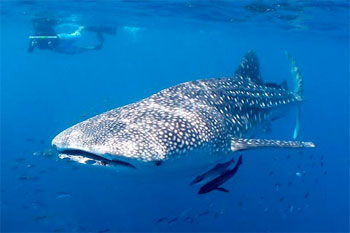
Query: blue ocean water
point(159, 44)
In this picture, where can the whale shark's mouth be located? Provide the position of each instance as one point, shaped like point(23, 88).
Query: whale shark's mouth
point(84, 157)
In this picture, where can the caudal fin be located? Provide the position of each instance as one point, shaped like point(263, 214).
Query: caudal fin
point(297, 78)
point(298, 90)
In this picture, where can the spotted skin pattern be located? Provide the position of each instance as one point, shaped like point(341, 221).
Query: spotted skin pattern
point(203, 114)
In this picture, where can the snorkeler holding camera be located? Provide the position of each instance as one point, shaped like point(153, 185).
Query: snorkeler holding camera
point(62, 37)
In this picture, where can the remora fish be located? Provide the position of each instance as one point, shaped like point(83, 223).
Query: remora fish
point(216, 171)
point(215, 183)
point(195, 123)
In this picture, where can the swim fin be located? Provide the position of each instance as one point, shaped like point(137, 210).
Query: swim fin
point(102, 29)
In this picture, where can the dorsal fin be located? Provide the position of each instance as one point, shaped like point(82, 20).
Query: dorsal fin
point(249, 68)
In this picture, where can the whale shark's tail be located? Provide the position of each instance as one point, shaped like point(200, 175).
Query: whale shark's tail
point(297, 78)
point(249, 68)
point(298, 90)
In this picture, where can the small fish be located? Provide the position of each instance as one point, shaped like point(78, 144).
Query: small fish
point(277, 186)
point(214, 184)
point(218, 170)
point(204, 213)
point(281, 199)
point(188, 219)
point(25, 177)
point(46, 153)
point(62, 195)
point(37, 153)
point(162, 219)
point(291, 208)
point(49, 153)
point(172, 220)
point(20, 160)
point(306, 195)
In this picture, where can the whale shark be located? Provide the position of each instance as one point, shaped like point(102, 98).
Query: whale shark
point(191, 125)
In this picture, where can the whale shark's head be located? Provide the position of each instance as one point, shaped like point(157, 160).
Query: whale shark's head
point(82, 146)
point(70, 145)
point(112, 139)
point(148, 131)
point(103, 141)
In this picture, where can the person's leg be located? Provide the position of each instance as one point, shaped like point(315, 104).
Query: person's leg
point(100, 40)
point(99, 33)
point(102, 29)
point(98, 46)
point(93, 47)
point(85, 49)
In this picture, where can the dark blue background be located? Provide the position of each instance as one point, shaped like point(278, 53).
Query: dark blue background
point(43, 93)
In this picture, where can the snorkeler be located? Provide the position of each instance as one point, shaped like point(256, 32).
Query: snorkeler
point(59, 37)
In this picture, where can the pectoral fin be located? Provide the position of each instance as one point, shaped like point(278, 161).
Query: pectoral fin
point(222, 190)
point(297, 123)
point(238, 144)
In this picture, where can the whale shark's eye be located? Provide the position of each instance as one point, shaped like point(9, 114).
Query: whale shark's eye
point(158, 163)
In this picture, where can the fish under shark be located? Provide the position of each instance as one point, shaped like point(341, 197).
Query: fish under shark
point(216, 171)
point(187, 127)
point(215, 183)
